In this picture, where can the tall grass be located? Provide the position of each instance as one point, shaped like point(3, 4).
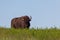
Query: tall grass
point(29, 34)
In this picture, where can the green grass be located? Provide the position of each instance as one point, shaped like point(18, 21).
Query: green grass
point(29, 34)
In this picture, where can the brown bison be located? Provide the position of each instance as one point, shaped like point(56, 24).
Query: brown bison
point(21, 22)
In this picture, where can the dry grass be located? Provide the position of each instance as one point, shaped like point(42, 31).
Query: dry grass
point(29, 34)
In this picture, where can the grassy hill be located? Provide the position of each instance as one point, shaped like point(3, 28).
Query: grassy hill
point(29, 34)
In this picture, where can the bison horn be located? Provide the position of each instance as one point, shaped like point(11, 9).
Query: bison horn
point(22, 19)
point(30, 17)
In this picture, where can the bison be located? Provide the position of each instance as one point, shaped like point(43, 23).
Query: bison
point(21, 22)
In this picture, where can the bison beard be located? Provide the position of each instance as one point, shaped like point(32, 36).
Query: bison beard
point(21, 22)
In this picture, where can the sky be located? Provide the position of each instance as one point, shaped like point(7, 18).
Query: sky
point(45, 13)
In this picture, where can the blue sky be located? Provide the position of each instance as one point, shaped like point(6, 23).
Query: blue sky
point(45, 13)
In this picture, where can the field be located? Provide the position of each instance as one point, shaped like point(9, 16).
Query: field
point(29, 34)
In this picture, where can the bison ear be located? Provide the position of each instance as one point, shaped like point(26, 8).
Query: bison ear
point(22, 19)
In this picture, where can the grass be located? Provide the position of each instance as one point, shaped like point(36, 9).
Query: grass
point(29, 34)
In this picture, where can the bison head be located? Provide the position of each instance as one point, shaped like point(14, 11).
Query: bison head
point(26, 18)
